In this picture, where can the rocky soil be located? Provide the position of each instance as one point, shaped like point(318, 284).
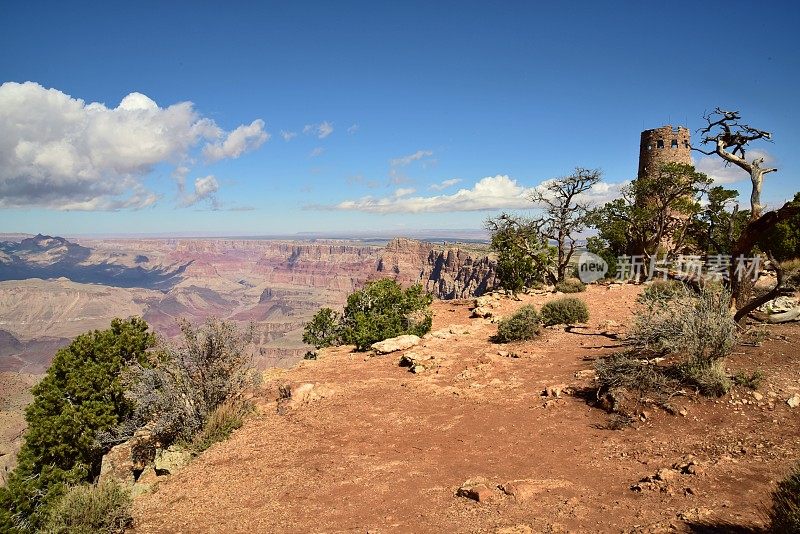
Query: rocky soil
point(471, 436)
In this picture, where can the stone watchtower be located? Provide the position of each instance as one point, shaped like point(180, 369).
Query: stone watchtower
point(658, 147)
point(663, 145)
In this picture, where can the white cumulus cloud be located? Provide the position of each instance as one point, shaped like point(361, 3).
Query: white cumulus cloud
point(57, 151)
point(288, 136)
point(490, 193)
point(204, 188)
point(242, 139)
point(321, 130)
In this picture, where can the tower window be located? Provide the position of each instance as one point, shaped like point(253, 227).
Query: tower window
point(674, 143)
point(660, 143)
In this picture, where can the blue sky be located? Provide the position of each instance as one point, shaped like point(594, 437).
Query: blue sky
point(403, 104)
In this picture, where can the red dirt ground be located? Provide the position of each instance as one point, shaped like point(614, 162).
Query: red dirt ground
point(385, 450)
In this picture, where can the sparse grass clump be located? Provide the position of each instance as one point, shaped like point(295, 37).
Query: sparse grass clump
point(523, 324)
point(225, 418)
point(785, 513)
point(707, 376)
point(90, 509)
point(567, 310)
point(571, 285)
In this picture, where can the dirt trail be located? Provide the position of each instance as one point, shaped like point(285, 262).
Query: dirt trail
point(385, 450)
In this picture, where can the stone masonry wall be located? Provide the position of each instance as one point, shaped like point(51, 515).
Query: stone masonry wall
point(664, 145)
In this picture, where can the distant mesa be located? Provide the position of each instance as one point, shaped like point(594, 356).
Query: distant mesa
point(48, 257)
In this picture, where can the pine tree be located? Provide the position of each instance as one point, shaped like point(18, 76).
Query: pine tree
point(81, 395)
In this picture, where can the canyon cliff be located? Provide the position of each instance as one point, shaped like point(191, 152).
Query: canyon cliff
point(58, 288)
point(446, 272)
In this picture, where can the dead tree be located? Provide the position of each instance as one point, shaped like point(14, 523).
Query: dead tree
point(566, 211)
point(731, 140)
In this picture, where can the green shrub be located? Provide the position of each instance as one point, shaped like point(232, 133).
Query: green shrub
point(221, 422)
point(383, 310)
point(524, 257)
point(660, 290)
point(749, 380)
point(566, 310)
point(523, 324)
point(571, 285)
point(80, 397)
point(785, 513)
point(783, 239)
point(691, 326)
point(89, 509)
point(324, 329)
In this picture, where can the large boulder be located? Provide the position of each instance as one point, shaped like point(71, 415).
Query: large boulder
point(171, 460)
point(394, 344)
point(124, 461)
point(117, 465)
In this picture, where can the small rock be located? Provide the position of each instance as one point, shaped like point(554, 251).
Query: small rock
point(555, 391)
point(695, 514)
point(482, 312)
point(293, 396)
point(503, 353)
point(485, 301)
point(444, 333)
point(586, 374)
point(394, 344)
point(758, 396)
point(477, 492)
point(461, 330)
point(520, 490)
point(794, 400)
point(666, 474)
point(417, 363)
